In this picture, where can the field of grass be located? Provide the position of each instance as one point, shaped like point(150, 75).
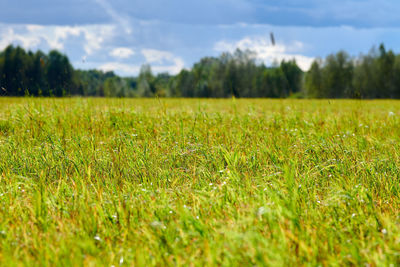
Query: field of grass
point(122, 182)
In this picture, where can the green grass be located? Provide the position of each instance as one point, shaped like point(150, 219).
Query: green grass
point(199, 182)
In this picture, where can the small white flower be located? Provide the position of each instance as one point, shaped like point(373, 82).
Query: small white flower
point(121, 260)
point(384, 231)
point(261, 211)
point(391, 113)
point(170, 212)
point(210, 184)
point(96, 237)
point(157, 225)
point(353, 215)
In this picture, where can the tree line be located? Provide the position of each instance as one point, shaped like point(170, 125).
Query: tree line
point(239, 74)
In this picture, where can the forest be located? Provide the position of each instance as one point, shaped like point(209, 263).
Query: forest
point(238, 74)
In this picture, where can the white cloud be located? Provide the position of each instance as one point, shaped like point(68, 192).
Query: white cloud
point(267, 52)
point(133, 70)
point(122, 52)
point(9, 36)
point(119, 18)
point(157, 56)
point(33, 36)
point(162, 58)
point(56, 36)
point(122, 68)
point(161, 61)
point(178, 65)
point(96, 35)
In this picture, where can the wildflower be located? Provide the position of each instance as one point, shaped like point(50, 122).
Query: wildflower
point(157, 225)
point(384, 231)
point(96, 237)
point(261, 211)
point(391, 113)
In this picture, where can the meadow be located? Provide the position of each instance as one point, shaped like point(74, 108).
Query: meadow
point(166, 182)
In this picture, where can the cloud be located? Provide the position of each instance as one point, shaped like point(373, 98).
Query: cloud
point(118, 17)
point(157, 56)
point(55, 37)
point(267, 52)
point(96, 35)
point(9, 36)
point(122, 68)
point(122, 52)
point(175, 68)
point(161, 61)
point(164, 60)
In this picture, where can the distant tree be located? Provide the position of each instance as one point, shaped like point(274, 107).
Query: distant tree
point(337, 75)
point(274, 83)
point(313, 81)
point(364, 82)
point(385, 73)
point(182, 85)
point(161, 82)
point(112, 87)
point(146, 86)
point(396, 78)
point(293, 76)
point(59, 74)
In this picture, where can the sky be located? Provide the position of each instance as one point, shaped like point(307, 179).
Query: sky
point(121, 35)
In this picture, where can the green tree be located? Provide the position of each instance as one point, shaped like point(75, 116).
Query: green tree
point(313, 81)
point(146, 86)
point(59, 74)
point(337, 76)
point(293, 76)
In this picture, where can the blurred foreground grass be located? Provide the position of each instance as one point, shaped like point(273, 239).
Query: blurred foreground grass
point(199, 182)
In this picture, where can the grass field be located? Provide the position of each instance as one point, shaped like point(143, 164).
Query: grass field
point(199, 182)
